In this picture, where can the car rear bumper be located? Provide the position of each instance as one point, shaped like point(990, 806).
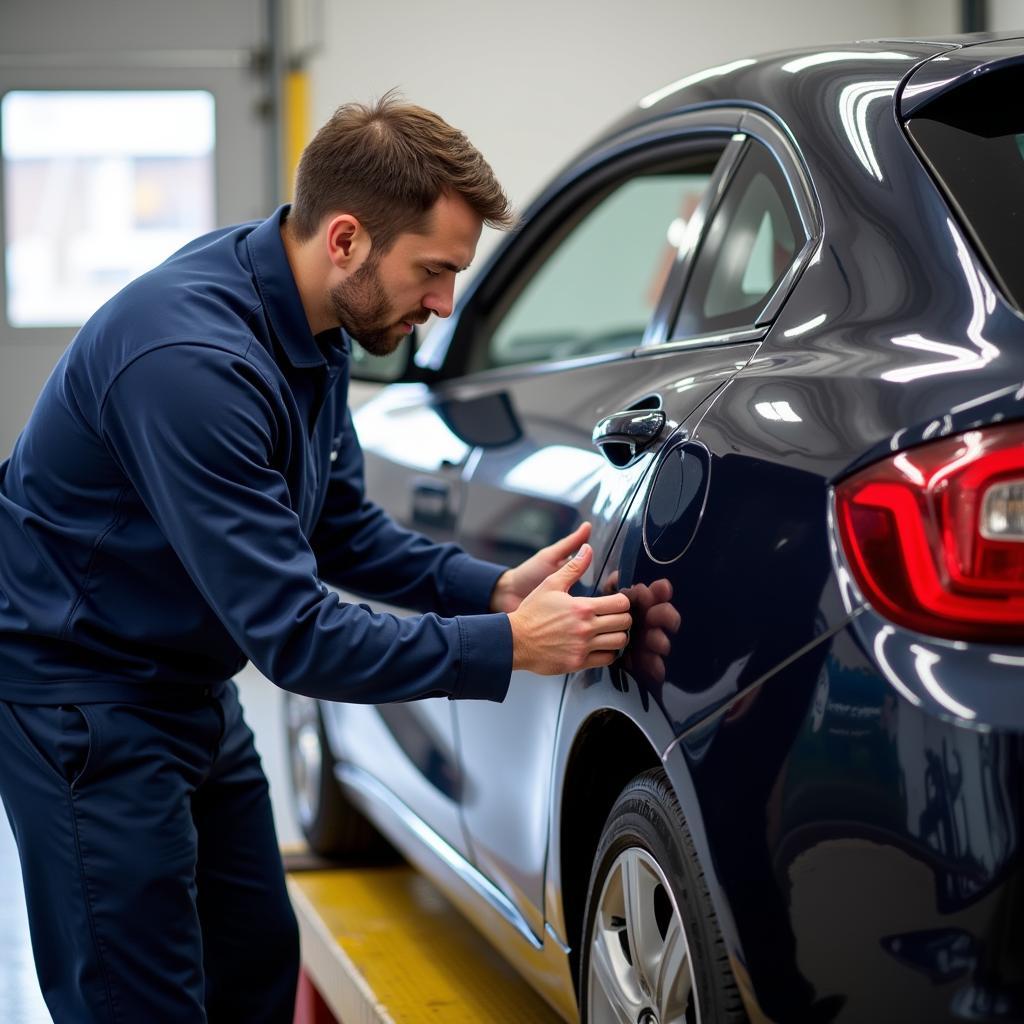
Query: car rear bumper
point(863, 838)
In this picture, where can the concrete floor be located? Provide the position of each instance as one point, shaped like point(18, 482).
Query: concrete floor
point(20, 999)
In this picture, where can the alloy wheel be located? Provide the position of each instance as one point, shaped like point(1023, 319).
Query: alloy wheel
point(640, 966)
point(307, 756)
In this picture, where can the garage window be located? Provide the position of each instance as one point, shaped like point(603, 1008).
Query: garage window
point(98, 188)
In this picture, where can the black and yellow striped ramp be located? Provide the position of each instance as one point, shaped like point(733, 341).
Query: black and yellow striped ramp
point(383, 946)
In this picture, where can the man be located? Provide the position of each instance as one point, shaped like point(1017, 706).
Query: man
point(187, 479)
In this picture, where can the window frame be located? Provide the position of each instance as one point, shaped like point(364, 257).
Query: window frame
point(754, 128)
point(515, 285)
point(446, 353)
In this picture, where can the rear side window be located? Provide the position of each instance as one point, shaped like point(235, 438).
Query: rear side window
point(753, 238)
point(972, 138)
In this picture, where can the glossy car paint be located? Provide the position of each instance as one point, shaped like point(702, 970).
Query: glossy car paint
point(416, 740)
point(853, 788)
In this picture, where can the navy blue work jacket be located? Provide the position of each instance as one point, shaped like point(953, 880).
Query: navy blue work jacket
point(188, 479)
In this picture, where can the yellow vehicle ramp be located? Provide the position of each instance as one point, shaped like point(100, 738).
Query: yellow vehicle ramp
point(383, 946)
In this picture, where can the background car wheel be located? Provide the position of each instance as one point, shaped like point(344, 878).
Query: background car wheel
point(652, 952)
point(331, 825)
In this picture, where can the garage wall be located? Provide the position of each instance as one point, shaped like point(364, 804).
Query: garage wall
point(531, 83)
point(930, 18)
point(1005, 14)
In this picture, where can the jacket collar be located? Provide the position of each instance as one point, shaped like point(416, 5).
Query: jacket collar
point(281, 299)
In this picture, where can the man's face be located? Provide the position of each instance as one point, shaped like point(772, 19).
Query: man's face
point(379, 303)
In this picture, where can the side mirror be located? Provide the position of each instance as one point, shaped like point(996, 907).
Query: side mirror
point(488, 421)
point(391, 369)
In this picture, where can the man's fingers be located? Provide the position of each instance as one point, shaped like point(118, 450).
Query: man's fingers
point(617, 623)
point(609, 604)
point(568, 574)
point(600, 659)
point(567, 546)
point(609, 641)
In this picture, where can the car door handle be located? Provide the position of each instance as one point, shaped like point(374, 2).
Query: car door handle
point(624, 436)
point(431, 504)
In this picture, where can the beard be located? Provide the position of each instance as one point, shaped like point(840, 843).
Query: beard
point(362, 308)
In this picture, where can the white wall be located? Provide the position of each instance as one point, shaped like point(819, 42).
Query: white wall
point(926, 19)
point(1004, 15)
point(531, 82)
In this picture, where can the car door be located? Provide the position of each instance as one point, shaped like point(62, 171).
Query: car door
point(605, 248)
point(413, 464)
point(735, 580)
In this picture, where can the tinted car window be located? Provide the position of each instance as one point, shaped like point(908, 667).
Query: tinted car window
point(596, 290)
point(973, 138)
point(751, 242)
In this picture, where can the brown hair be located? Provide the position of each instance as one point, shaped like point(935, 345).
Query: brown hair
point(387, 164)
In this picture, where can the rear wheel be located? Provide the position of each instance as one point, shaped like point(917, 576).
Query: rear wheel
point(652, 951)
point(331, 825)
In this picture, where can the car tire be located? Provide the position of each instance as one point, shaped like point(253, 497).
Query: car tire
point(647, 894)
point(333, 827)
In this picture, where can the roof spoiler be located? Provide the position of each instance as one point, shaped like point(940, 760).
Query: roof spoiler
point(947, 71)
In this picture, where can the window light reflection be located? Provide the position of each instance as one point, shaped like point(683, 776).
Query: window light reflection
point(854, 101)
point(777, 411)
point(392, 428)
point(837, 56)
point(1007, 659)
point(924, 663)
point(960, 358)
point(557, 471)
point(883, 662)
point(908, 469)
point(700, 76)
point(795, 332)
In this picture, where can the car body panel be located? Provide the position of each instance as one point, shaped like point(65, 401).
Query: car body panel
point(410, 747)
point(525, 495)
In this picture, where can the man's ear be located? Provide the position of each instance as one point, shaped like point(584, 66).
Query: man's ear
point(348, 243)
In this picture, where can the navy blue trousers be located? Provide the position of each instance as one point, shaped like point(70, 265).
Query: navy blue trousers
point(152, 873)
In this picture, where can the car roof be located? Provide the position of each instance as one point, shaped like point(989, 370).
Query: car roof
point(783, 80)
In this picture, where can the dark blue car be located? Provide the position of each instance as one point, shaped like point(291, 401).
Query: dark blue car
point(766, 335)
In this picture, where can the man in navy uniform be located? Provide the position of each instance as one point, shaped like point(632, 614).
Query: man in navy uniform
point(188, 478)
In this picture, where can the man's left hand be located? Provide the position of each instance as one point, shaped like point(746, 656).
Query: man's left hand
point(514, 584)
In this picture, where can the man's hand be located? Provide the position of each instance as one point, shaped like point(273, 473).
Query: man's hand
point(515, 584)
point(553, 633)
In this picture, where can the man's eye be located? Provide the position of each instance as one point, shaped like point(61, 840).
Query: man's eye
point(432, 273)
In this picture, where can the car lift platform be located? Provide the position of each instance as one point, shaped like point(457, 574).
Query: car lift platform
point(381, 945)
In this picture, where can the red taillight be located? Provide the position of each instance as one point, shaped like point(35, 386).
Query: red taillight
point(935, 535)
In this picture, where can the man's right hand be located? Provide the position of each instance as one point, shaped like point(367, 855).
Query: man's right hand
point(553, 633)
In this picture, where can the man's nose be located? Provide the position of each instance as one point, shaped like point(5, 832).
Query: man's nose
point(440, 301)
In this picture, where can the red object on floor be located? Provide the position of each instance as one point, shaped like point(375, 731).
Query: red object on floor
point(309, 1005)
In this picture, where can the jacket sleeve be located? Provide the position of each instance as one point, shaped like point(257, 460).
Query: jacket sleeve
point(196, 429)
point(359, 547)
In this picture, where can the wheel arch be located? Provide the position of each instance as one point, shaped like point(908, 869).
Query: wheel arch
point(593, 780)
